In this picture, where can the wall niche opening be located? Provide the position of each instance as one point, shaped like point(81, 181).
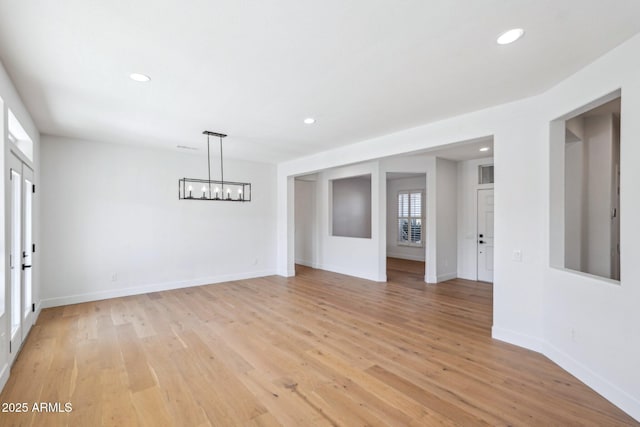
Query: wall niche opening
point(591, 178)
point(351, 207)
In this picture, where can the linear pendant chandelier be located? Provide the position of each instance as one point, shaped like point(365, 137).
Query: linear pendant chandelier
point(208, 189)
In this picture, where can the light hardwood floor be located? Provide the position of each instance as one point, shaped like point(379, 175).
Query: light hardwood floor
point(318, 349)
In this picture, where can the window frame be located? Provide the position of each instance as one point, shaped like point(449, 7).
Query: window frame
point(480, 175)
point(409, 217)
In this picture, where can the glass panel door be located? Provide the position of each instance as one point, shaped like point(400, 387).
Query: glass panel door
point(21, 256)
point(15, 257)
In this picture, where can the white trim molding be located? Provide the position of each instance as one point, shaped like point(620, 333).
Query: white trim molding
point(125, 292)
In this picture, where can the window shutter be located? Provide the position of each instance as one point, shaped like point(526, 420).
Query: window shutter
point(416, 204)
point(403, 230)
point(403, 204)
point(403, 217)
point(416, 231)
point(410, 218)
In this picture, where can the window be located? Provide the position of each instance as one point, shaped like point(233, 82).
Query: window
point(410, 218)
point(18, 136)
point(485, 174)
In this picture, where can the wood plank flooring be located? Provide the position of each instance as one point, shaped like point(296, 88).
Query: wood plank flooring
point(320, 349)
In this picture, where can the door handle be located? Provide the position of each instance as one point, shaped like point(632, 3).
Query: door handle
point(25, 266)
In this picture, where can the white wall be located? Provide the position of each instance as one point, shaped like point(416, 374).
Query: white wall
point(468, 216)
point(114, 224)
point(587, 325)
point(351, 207)
point(349, 255)
point(10, 99)
point(305, 213)
point(575, 205)
point(446, 220)
point(598, 137)
point(393, 248)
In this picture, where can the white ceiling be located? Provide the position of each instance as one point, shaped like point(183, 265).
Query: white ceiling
point(255, 69)
point(464, 150)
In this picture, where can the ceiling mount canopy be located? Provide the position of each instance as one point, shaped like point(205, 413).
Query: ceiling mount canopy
point(208, 189)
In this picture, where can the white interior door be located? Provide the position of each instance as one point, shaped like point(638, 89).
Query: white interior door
point(485, 235)
point(21, 254)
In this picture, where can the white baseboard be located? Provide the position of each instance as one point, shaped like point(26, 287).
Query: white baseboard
point(517, 338)
point(447, 276)
point(304, 262)
point(440, 278)
point(286, 272)
point(116, 293)
point(600, 385)
point(409, 257)
point(614, 394)
point(38, 309)
point(4, 376)
point(467, 276)
point(347, 272)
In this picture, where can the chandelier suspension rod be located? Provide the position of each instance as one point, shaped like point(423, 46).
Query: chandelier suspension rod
point(221, 168)
point(209, 164)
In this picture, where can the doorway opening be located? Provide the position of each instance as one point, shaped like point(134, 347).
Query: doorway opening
point(406, 226)
point(305, 221)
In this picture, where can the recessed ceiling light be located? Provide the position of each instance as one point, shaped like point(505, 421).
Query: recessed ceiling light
point(484, 149)
point(309, 120)
point(139, 77)
point(510, 36)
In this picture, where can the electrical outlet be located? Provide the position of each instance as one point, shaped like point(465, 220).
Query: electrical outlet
point(573, 335)
point(114, 277)
point(517, 255)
